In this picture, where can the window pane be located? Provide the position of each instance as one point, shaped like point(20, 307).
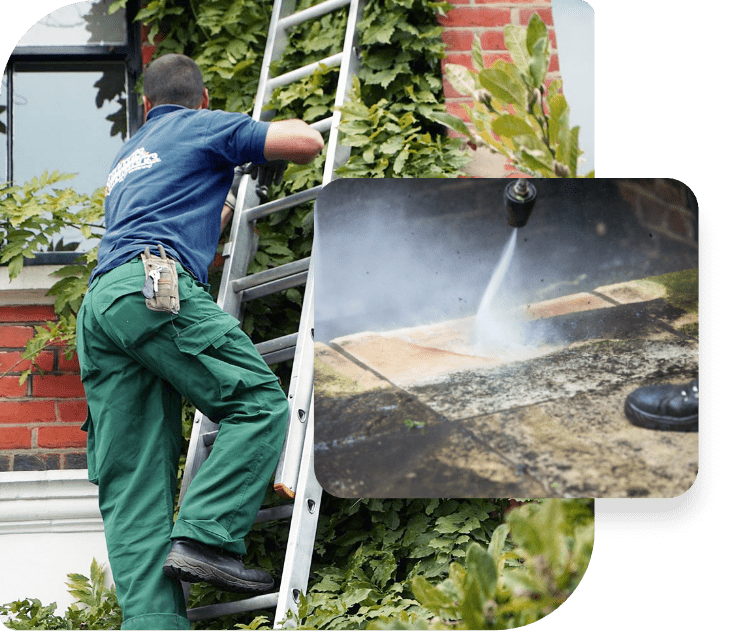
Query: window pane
point(68, 118)
point(78, 24)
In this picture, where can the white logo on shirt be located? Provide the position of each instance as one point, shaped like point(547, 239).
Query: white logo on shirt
point(140, 159)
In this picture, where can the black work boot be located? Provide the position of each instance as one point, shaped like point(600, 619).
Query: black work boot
point(195, 562)
point(667, 407)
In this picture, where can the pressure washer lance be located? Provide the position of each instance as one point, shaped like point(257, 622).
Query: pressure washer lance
point(519, 199)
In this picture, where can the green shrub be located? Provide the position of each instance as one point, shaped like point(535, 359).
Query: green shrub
point(500, 587)
point(514, 111)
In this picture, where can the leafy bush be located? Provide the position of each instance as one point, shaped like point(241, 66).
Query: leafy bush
point(515, 112)
point(96, 607)
point(376, 562)
point(29, 216)
point(501, 587)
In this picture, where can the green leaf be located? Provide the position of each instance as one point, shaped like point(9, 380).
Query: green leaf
point(500, 83)
point(482, 567)
point(540, 61)
point(462, 79)
point(509, 125)
point(536, 30)
point(15, 267)
point(452, 122)
point(515, 38)
point(477, 54)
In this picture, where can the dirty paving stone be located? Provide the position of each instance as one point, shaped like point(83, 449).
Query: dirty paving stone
point(581, 368)
point(586, 447)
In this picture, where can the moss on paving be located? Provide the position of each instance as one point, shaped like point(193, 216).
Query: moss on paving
point(329, 382)
point(682, 288)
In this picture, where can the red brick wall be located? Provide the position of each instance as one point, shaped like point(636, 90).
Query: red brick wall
point(40, 419)
point(664, 206)
point(487, 19)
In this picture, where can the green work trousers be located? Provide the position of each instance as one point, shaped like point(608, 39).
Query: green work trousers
point(135, 365)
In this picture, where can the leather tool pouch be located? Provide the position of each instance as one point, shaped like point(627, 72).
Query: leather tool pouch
point(161, 289)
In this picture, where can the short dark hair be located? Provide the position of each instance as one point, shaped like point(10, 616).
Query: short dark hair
point(174, 79)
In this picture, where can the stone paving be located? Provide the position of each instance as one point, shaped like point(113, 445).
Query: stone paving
point(418, 413)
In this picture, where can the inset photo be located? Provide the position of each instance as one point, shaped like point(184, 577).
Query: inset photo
point(506, 338)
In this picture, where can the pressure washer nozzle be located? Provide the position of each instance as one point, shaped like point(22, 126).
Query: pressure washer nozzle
point(519, 199)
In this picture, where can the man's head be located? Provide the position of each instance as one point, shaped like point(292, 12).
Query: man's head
point(174, 79)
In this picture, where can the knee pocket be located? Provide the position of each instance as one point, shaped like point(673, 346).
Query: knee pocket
point(227, 354)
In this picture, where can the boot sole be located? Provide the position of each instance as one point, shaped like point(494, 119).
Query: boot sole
point(193, 571)
point(652, 421)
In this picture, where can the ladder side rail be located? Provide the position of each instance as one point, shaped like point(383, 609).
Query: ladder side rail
point(275, 44)
point(347, 71)
point(301, 390)
point(302, 376)
point(302, 533)
point(197, 452)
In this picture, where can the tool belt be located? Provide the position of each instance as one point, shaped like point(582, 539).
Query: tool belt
point(161, 289)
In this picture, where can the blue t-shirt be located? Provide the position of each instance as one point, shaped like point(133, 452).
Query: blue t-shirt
point(169, 183)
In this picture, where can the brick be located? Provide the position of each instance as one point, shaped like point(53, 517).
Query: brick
point(567, 304)
point(15, 437)
point(74, 461)
point(15, 336)
point(27, 313)
point(67, 436)
point(480, 16)
point(28, 411)
point(5, 464)
point(670, 191)
point(68, 365)
point(9, 387)
point(526, 14)
point(37, 462)
point(457, 40)
point(493, 40)
point(553, 64)
point(72, 411)
point(676, 223)
point(653, 212)
point(58, 386)
point(11, 362)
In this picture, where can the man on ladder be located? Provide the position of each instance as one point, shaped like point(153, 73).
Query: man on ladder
point(148, 332)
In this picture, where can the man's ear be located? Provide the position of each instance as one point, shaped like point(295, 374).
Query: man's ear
point(147, 105)
point(205, 101)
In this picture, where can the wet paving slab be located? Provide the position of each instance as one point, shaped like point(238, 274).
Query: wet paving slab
point(410, 414)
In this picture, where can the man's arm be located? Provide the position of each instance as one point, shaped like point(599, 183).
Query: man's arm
point(292, 140)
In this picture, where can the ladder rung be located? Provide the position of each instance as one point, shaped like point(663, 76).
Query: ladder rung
point(274, 286)
point(312, 12)
point(271, 346)
point(324, 125)
point(305, 71)
point(280, 356)
point(266, 276)
point(274, 512)
point(258, 212)
point(279, 350)
point(208, 438)
point(263, 601)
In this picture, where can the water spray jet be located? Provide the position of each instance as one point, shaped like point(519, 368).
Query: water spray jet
point(490, 330)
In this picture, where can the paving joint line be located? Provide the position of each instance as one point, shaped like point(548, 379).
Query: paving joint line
point(653, 319)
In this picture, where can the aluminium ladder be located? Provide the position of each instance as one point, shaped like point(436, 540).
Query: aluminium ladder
point(294, 476)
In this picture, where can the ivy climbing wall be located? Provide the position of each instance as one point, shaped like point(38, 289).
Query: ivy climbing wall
point(40, 418)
